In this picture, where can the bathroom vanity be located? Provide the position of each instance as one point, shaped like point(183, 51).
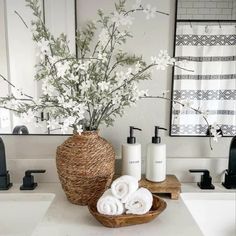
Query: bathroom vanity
point(59, 217)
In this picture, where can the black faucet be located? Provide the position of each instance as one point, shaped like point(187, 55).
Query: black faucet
point(28, 180)
point(4, 175)
point(205, 179)
point(230, 175)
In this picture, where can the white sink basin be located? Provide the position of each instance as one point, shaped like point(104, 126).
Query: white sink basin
point(20, 213)
point(213, 212)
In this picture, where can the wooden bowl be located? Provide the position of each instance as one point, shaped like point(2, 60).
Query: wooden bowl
point(158, 206)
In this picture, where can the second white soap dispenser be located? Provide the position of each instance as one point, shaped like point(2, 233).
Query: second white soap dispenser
point(156, 158)
point(131, 156)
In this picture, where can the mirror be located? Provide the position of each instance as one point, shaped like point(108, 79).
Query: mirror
point(205, 94)
point(18, 54)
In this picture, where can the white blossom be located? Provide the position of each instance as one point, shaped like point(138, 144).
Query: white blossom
point(79, 129)
point(143, 93)
point(137, 67)
point(137, 4)
point(61, 100)
point(162, 61)
point(73, 78)
point(79, 110)
point(165, 56)
point(48, 88)
point(69, 104)
point(17, 92)
point(215, 132)
point(64, 127)
point(52, 124)
point(205, 113)
point(44, 46)
point(85, 86)
point(62, 68)
point(129, 72)
point(165, 93)
point(84, 66)
point(187, 103)
point(116, 99)
point(120, 78)
point(104, 37)
point(53, 59)
point(216, 136)
point(67, 123)
point(39, 124)
point(33, 28)
point(102, 56)
point(135, 96)
point(150, 12)
point(103, 85)
point(121, 19)
point(28, 117)
point(183, 63)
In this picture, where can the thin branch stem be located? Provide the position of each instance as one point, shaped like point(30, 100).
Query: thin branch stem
point(142, 9)
point(182, 68)
point(194, 109)
point(11, 84)
point(21, 19)
point(180, 103)
point(10, 109)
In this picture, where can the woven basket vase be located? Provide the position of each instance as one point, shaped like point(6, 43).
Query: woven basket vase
point(85, 165)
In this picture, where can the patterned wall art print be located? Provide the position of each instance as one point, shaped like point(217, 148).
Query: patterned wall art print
point(210, 52)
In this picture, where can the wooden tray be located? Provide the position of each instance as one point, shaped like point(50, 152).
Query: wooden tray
point(158, 206)
point(171, 185)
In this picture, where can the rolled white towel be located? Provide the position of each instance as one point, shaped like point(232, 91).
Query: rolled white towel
point(109, 205)
point(124, 186)
point(140, 202)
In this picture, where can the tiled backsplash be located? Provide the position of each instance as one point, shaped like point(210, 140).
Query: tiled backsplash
point(207, 9)
point(234, 9)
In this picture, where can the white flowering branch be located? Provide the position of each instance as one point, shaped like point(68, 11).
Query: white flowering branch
point(212, 131)
point(94, 88)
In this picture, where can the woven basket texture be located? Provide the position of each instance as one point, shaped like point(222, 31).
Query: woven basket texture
point(85, 165)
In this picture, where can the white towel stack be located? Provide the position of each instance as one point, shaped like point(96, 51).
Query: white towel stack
point(124, 196)
point(110, 205)
point(123, 187)
point(140, 202)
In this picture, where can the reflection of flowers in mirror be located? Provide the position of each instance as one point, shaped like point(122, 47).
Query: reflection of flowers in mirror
point(95, 87)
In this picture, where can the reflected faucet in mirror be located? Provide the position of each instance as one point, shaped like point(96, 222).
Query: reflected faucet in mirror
point(20, 129)
point(230, 175)
point(4, 175)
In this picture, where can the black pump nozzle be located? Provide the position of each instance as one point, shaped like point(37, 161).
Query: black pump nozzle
point(131, 139)
point(156, 138)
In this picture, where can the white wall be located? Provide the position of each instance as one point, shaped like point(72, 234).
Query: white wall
point(150, 37)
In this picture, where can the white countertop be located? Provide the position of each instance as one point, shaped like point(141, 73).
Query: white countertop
point(66, 219)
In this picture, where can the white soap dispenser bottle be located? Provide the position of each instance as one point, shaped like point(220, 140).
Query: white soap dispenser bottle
point(131, 156)
point(156, 159)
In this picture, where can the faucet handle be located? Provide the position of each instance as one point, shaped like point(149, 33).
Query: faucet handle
point(5, 183)
point(205, 178)
point(29, 172)
point(28, 180)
